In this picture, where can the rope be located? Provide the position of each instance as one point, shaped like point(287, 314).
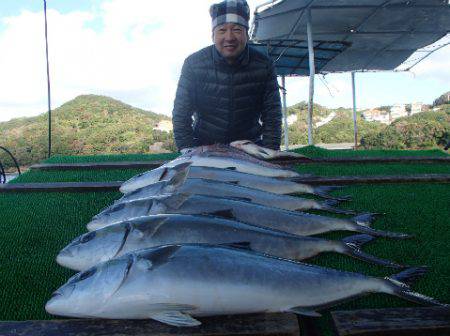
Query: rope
point(48, 85)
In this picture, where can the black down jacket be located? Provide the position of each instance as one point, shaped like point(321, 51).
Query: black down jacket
point(219, 103)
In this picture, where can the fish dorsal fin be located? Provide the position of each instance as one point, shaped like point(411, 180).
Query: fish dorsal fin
point(234, 182)
point(222, 213)
point(158, 256)
point(304, 311)
point(231, 168)
point(180, 176)
point(239, 245)
point(173, 314)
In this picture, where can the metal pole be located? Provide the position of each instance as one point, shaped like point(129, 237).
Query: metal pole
point(286, 126)
point(312, 72)
point(48, 86)
point(355, 125)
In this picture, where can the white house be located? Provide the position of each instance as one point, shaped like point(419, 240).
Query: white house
point(398, 111)
point(416, 108)
point(376, 115)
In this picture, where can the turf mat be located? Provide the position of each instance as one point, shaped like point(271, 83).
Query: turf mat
point(311, 151)
point(35, 226)
point(98, 175)
point(40, 224)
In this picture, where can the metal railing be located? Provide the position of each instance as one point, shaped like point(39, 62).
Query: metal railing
point(2, 168)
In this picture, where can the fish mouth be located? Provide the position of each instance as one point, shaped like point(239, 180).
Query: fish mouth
point(51, 306)
point(66, 258)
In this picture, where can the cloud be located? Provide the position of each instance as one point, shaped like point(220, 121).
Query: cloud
point(135, 54)
point(131, 50)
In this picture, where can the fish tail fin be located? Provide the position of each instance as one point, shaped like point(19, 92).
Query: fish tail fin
point(353, 248)
point(399, 284)
point(323, 191)
point(380, 233)
point(364, 219)
point(329, 205)
point(363, 222)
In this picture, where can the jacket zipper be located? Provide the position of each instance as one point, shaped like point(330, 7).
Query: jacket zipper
point(231, 110)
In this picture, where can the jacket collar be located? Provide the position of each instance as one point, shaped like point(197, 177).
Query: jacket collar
point(241, 61)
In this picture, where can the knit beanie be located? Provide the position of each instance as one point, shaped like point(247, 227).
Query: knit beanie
point(230, 11)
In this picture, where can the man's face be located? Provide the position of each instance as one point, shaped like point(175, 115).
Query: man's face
point(230, 40)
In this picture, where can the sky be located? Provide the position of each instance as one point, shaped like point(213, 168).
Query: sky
point(133, 50)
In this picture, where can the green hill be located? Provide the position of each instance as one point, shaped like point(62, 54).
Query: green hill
point(86, 125)
point(422, 130)
point(339, 129)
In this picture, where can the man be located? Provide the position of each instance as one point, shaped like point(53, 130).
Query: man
point(227, 91)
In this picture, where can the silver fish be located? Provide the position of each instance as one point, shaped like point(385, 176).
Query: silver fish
point(174, 284)
point(180, 184)
point(228, 160)
point(263, 152)
point(116, 240)
point(239, 209)
point(269, 184)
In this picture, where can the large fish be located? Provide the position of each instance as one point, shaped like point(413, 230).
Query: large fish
point(263, 152)
point(180, 184)
point(224, 158)
point(293, 222)
point(174, 284)
point(270, 184)
point(113, 241)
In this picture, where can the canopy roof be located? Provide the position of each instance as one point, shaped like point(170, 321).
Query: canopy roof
point(291, 56)
point(377, 34)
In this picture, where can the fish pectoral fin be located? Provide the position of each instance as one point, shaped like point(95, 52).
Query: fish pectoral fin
point(144, 264)
point(307, 311)
point(174, 315)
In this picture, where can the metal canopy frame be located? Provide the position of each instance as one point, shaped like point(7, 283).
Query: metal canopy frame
point(404, 41)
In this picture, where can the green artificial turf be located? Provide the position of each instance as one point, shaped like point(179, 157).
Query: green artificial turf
point(318, 169)
point(110, 158)
point(97, 175)
point(352, 169)
point(35, 226)
point(311, 151)
point(318, 152)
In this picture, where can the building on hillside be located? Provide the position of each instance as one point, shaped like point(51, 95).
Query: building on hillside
point(376, 115)
point(416, 108)
point(164, 126)
point(398, 111)
point(292, 119)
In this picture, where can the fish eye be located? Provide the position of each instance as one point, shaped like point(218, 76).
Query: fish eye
point(87, 237)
